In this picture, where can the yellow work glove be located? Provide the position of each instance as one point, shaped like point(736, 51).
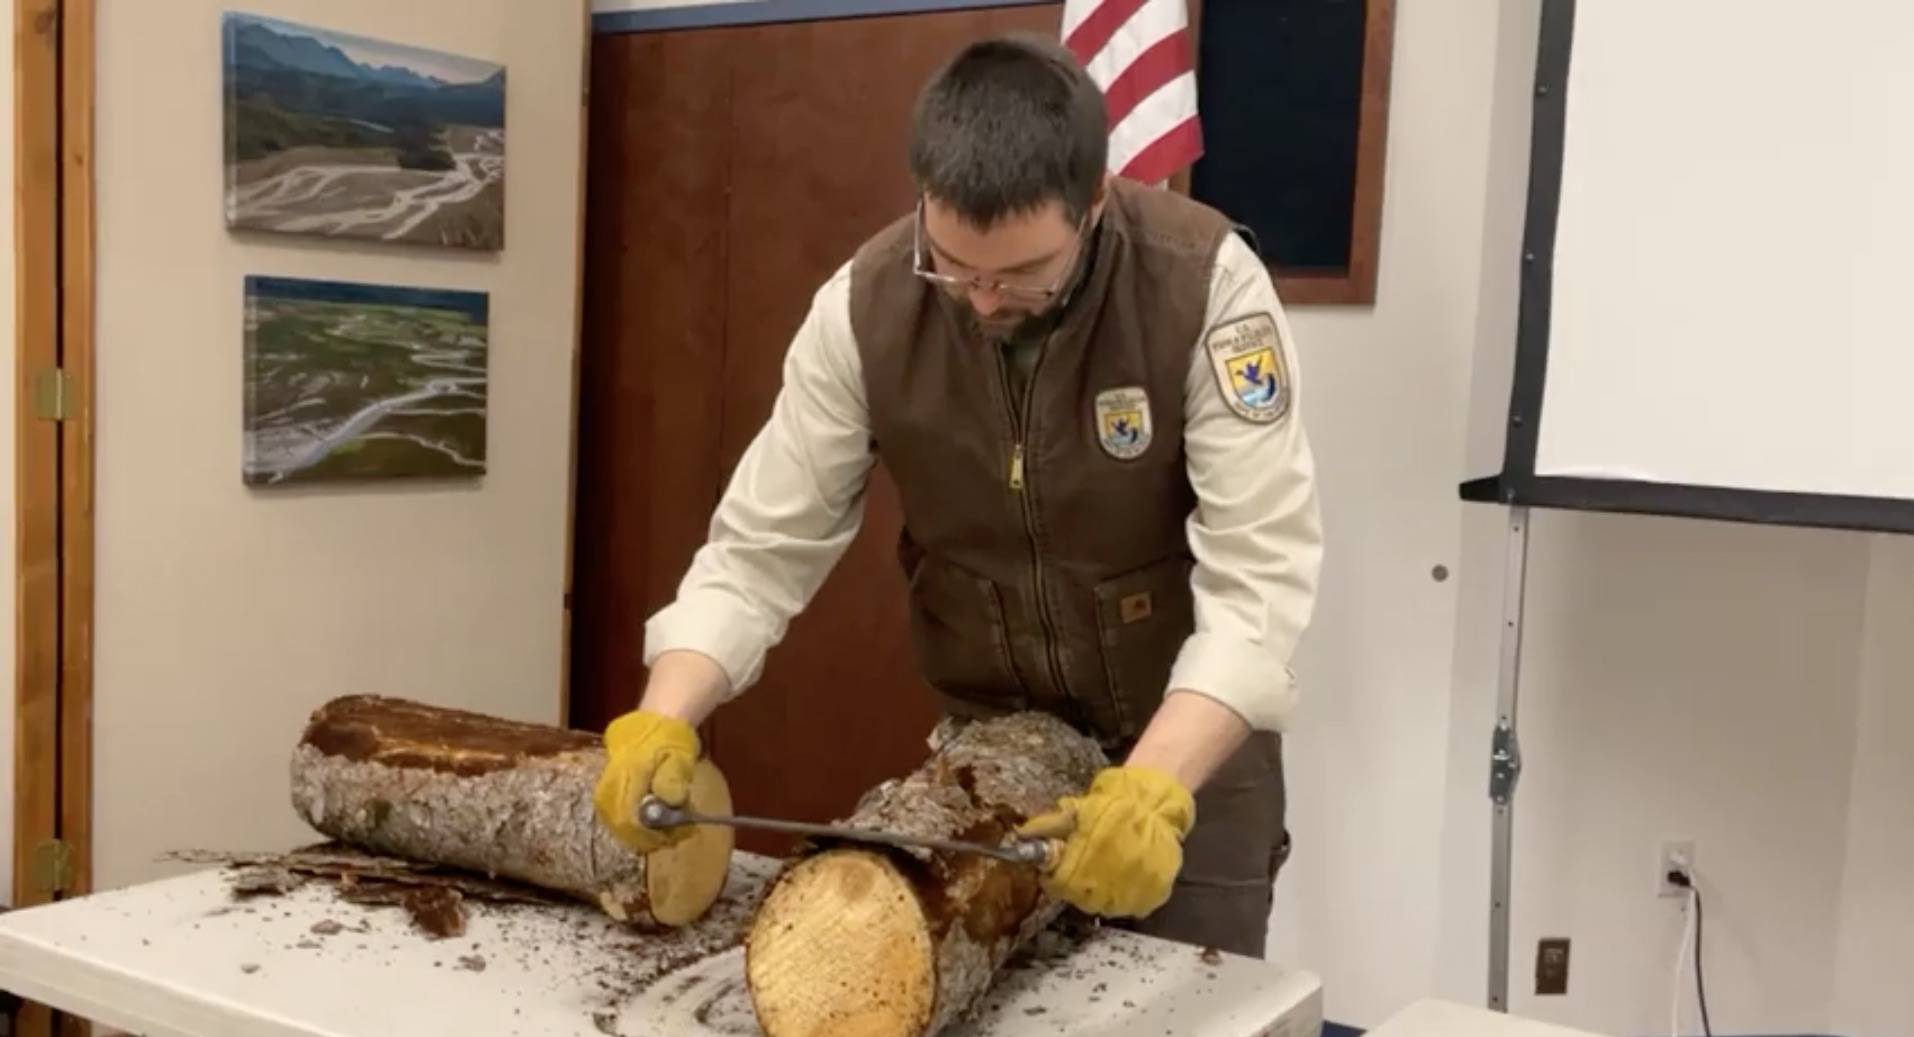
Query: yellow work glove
point(646, 754)
point(1122, 842)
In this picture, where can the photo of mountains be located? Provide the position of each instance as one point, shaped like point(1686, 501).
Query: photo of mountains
point(338, 135)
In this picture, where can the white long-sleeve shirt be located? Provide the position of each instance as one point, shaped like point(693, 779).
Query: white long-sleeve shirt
point(796, 501)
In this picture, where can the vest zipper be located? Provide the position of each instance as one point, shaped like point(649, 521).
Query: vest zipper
point(1018, 479)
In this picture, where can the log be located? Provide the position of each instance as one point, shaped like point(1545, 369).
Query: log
point(501, 798)
point(854, 940)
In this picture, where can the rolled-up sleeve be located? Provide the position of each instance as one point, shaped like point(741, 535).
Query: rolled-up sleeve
point(794, 503)
point(1256, 532)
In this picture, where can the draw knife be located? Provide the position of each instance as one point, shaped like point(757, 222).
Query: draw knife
point(655, 813)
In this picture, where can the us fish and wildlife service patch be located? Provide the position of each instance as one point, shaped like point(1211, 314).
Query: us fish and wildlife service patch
point(1123, 422)
point(1247, 356)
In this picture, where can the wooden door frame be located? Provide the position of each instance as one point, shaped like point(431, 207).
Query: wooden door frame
point(578, 354)
point(53, 457)
point(53, 448)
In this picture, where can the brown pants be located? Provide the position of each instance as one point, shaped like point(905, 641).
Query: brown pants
point(1230, 859)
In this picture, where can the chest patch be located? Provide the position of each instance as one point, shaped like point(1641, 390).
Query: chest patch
point(1123, 422)
point(1247, 356)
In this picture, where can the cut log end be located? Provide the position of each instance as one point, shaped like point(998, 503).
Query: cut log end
point(683, 880)
point(866, 943)
point(842, 947)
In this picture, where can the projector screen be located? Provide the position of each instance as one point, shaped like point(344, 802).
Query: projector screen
point(1716, 311)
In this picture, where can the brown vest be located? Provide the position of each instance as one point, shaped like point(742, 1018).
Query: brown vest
point(1044, 539)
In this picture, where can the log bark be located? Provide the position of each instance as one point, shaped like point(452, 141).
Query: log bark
point(500, 798)
point(860, 941)
point(433, 896)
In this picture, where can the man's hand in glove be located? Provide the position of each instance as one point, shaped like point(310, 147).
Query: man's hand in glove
point(1122, 842)
point(646, 754)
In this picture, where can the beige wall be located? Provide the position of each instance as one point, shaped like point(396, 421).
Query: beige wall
point(1686, 680)
point(1386, 410)
point(225, 615)
point(1872, 994)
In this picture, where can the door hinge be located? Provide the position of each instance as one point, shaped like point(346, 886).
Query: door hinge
point(53, 866)
point(49, 394)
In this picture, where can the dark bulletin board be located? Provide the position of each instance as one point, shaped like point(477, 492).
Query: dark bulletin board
point(1294, 95)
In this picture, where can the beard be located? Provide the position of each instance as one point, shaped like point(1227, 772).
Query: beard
point(1008, 327)
point(1024, 325)
point(1017, 325)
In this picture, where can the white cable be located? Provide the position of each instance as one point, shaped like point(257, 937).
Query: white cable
point(1681, 963)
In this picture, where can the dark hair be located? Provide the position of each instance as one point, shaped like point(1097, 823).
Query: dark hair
point(1009, 124)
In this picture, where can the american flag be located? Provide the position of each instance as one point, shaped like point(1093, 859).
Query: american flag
point(1139, 53)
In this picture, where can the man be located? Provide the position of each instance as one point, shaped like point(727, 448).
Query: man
point(1086, 394)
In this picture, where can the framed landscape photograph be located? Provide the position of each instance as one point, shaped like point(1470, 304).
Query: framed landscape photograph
point(347, 136)
point(347, 381)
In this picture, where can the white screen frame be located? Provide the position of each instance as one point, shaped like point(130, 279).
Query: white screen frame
point(1564, 480)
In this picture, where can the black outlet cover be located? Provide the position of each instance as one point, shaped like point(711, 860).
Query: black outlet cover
point(1551, 965)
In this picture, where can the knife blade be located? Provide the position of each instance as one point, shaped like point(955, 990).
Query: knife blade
point(655, 813)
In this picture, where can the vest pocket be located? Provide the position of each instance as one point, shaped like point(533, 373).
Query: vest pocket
point(958, 631)
point(1143, 618)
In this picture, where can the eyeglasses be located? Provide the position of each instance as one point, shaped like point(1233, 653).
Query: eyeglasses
point(920, 266)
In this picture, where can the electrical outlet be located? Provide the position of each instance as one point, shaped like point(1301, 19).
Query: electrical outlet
point(1676, 855)
point(1551, 966)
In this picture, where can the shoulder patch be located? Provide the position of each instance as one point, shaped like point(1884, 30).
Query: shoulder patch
point(1123, 421)
point(1247, 356)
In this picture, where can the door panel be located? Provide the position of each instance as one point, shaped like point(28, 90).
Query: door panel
point(812, 162)
point(819, 166)
point(653, 346)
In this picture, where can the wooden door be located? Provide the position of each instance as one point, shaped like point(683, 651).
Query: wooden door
point(652, 346)
point(733, 170)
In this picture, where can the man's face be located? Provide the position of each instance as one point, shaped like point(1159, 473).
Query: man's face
point(1009, 274)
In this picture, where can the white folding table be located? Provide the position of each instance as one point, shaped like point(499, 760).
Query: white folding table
point(1435, 1017)
point(181, 957)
